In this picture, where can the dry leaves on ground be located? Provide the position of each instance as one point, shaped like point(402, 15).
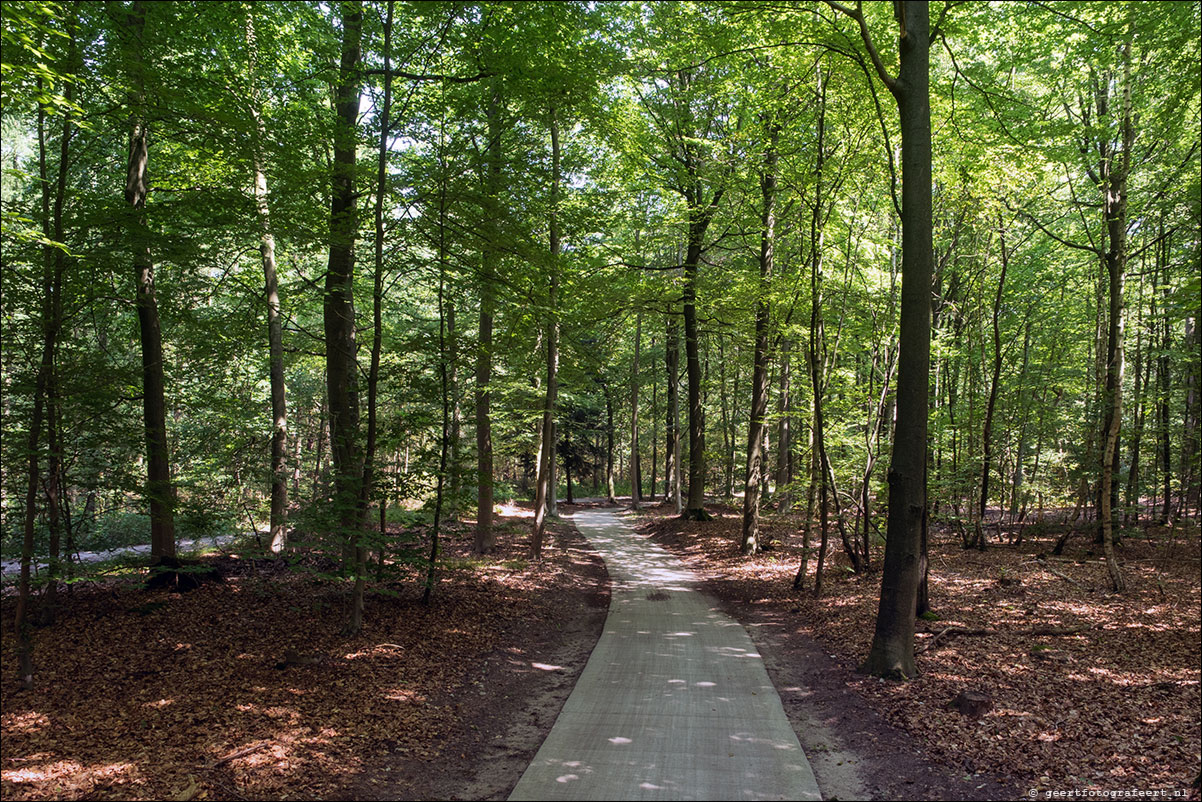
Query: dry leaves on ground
point(244, 689)
point(1112, 706)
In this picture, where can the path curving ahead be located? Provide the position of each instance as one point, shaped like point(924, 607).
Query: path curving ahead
point(674, 702)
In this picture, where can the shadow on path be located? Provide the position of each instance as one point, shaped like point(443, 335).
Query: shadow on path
point(674, 702)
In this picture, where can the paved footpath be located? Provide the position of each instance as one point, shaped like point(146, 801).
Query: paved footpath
point(674, 702)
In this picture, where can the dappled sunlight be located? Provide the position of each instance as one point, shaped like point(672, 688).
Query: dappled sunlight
point(210, 685)
point(71, 777)
point(1071, 703)
point(25, 723)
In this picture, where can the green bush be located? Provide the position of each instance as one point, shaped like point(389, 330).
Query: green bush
point(115, 530)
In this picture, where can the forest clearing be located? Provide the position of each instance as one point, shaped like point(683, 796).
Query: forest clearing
point(879, 320)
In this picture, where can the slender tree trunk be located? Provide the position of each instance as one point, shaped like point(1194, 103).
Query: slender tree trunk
point(1020, 456)
point(995, 378)
point(485, 538)
point(654, 433)
point(567, 466)
point(1163, 424)
point(444, 380)
point(319, 451)
point(553, 494)
point(727, 427)
point(1189, 437)
point(159, 491)
point(1143, 375)
point(784, 440)
point(808, 525)
point(454, 460)
point(52, 273)
point(373, 372)
point(699, 220)
point(636, 478)
point(342, 367)
point(1115, 208)
point(672, 470)
point(759, 376)
point(609, 446)
point(275, 334)
point(546, 456)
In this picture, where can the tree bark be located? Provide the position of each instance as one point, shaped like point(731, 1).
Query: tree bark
point(159, 490)
point(759, 377)
point(485, 538)
point(784, 434)
point(636, 477)
point(994, 380)
point(1114, 190)
point(1163, 388)
point(699, 220)
point(892, 651)
point(342, 366)
point(546, 457)
point(609, 446)
point(454, 461)
point(275, 335)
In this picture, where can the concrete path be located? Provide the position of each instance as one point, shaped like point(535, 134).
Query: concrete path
point(674, 702)
point(13, 567)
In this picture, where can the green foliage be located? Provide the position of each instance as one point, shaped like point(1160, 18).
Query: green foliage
point(664, 110)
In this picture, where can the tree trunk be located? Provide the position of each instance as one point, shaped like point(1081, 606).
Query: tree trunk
point(1143, 375)
point(654, 433)
point(546, 456)
point(1114, 190)
point(454, 461)
point(784, 440)
point(342, 367)
point(1189, 438)
point(1020, 455)
point(567, 467)
point(995, 378)
point(727, 421)
point(485, 539)
point(892, 652)
point(275, 334)
point(759, 376)
point(698, 223)
point(373, 372)
point(1163, 424)
point(636, 478)
point(159, 490)
point(609, 446)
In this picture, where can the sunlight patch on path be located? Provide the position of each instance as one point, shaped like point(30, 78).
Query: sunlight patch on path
point(674, 702)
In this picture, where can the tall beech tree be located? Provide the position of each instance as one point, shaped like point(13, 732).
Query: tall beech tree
point(892, 652)
point(342, 366)
point(756, 467)
point(271, 289)
point(159, 490)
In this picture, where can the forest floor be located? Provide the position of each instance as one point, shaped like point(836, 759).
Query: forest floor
point(150, 694)
point(156, 695)
point(1111, 708)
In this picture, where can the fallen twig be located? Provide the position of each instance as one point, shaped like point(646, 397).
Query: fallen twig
point(1065, 577)
point(240, 753)
point(981, 631)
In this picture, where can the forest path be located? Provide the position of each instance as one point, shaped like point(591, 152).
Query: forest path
point(674, 702)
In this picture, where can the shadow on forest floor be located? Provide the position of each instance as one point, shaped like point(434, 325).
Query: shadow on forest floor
point(1114, 704)
point(245, 689)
